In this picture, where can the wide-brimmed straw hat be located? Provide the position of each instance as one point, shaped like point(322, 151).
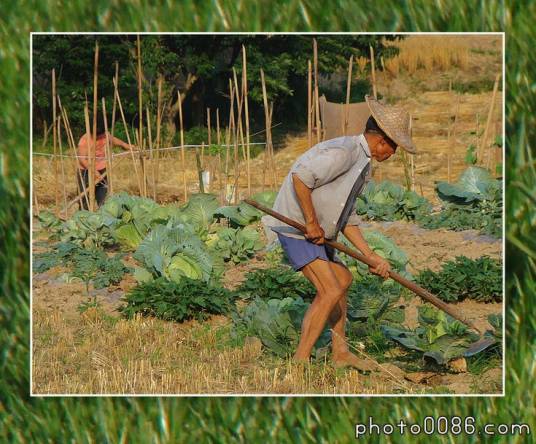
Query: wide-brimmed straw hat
point(394, 121)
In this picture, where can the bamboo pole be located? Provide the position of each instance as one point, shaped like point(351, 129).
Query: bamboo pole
point(272, 156)
point(36, 203)
point(141, 144)
point(183, 154)
point(62, 164)
point(239, 101)
point(267, 123)
point(488, 121)
point(235, 132)
point(348, 88)
point(228, 137)
point(158, 123)
point(72, 144)
point(109, 158)
point(150, 141)
point(91, 164)
point(55, 145)
point(412, 156)
point(114, 105)
point(218, 141)
point(477, 134)
point(95, 113)
point(309, 106)
point(453, 138)
point(209, 127)
point(245, 94)
point(199, 170)
point(373, 72)
point(116, 90)
point(317, 105)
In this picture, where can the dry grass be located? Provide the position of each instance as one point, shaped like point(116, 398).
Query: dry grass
point(430, 53)
point(96, 353)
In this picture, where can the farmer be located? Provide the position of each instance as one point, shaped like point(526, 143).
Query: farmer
point(320, 192)
point(82, 174)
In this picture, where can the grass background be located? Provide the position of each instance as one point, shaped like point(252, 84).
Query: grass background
point(25, 419)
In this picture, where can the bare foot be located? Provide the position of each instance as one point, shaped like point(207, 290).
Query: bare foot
point(297, 359)
point(348, 359)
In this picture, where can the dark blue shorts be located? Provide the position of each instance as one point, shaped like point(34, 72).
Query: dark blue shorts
point(300, 252)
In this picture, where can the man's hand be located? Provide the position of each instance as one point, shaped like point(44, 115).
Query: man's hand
point(382, 267)
point(314, 233)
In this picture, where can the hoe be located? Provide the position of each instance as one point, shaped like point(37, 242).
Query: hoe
point(474, 348)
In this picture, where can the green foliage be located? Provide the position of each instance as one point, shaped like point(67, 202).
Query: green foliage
point(199, 213)
point(87, 265)
point(388, 201)
point(479, 279)
point(474, 184)
point(474, 202)
point(49, 222)
point(383, 246)
point(244, 214)
point(276, 322)
point(470, 155)
point(174, 252)
point(87, 230)
point(235, 245)
point(439, 337)
point(177, 301)
point(276, 283)
point(129, 218)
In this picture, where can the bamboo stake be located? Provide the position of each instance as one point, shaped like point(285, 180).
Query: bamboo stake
point(88, 160)
point(272, 156)
point(239, 101)
point(317, 105)
point(95, 111)
point(183, 154)
point(228, 136)
point(449, 159)
point(218, 141)
point(488, 121)
point(267, 122)
point(348, 87)
point(109, 159)
point(141, 144)
point(309, 106)
point(373, 72)
point(477, 134)
point(150, 141)
point(199, 170)
point(114, 105)
point(36, 203)
point(235, 132)
point(62, 165)
point(55, 145)
point(158, 122)
point(72, 144)
point(412, 156)
point(128, 136)
point(209, 137)
point(245, 94)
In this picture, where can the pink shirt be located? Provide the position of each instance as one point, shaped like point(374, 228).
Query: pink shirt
point(100, 151)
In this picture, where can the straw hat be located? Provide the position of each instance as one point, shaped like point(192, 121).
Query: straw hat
point(394, 121)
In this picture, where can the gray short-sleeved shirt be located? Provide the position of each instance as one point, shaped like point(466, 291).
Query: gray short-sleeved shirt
point(336, 171)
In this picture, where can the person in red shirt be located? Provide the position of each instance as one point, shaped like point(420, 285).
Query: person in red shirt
point(84, 144)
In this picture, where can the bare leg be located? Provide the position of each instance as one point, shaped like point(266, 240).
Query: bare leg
point(329, 291)
point(337, 318)
point(338, 315)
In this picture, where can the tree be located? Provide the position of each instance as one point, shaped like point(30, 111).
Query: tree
point(197, 66)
